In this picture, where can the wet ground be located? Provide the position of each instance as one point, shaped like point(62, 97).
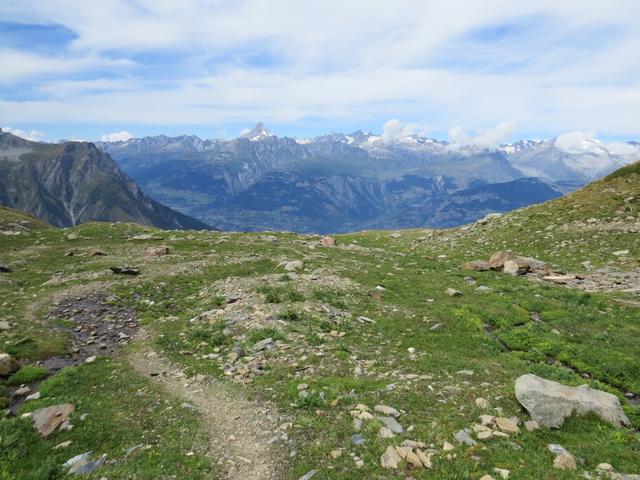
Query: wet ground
point(96, 326)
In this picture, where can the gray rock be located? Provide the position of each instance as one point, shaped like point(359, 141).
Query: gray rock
point(125, 270)
point(391, 423)
point(266, 344)
point(462, 436)
point(308, 475)
point(83, 468)
point(357, 439)
point(8, 364)
point(549, 403)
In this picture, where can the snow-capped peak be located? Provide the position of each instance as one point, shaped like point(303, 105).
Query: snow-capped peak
point(259, 132)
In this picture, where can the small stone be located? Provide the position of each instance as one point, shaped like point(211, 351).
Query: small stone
point(485, 435)
point(385, 432)
point(565, 461)
point(8, 364)
point(531, 425)
point(90, 359)
point(336, 453)
point(156, 251)
point(507, 425)
point(62, 445)
point(487, 420)
point(293, 265)
point(328, 241)
point(482, 403)
point(308, 475)
point(486, 477)
point(604, 467)
point(413, 459)
point(390, 458)
point(125, 270)
point(452, 292)
point(447, 447)
point(392, 424)
point(386, 410)
point(462, 436)
point(503, 472)
point(357, 439)
point(266, 344)
point(33, 396)
point(475, 266)
point(466, 373)
point(424, 458)
point(22, 391)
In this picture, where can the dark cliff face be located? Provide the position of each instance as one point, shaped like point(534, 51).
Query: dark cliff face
point(75, 182)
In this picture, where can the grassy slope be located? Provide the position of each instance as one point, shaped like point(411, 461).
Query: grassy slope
point(588, 332)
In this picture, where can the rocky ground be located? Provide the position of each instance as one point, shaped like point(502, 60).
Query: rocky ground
point(136, 353)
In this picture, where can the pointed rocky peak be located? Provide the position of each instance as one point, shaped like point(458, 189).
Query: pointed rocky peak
point(259, 132)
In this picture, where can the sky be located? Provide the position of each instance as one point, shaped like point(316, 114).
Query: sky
point(484, 70)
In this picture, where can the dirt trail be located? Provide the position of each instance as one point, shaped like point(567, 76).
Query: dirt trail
point(239, 430)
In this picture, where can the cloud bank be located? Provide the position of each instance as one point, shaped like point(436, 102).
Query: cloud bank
point(549, 66)
point(116, 136)
point(33, 135)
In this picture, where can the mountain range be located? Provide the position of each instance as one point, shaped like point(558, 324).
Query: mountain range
point(345, 182)
point(69, 183)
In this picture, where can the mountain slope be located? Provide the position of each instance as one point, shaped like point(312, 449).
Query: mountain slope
point(373, 329)
point(71, 183)
point(331, 183)
point(583, 229)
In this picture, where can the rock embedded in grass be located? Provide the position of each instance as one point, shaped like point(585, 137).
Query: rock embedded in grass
point(47, 420)
point(549, 402)
point(8, 364)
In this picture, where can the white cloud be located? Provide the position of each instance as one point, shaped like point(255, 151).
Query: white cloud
point(624, 150)
point(576, 142)
point(33, 135)
point(394, 129)
point(116, 136)
point(484, 139)
point(365, 65)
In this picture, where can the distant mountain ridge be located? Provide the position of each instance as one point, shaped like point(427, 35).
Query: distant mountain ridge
point(74, 182)
point(342, 182)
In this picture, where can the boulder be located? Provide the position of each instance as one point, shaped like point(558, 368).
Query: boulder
point(8, 364)
point(46, 420)
point(549, 403)
point(498, 259)
point(476, 266)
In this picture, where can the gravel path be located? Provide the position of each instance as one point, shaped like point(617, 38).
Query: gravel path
point(240, 431)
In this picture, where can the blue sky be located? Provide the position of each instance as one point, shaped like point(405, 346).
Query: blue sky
point(458, 69)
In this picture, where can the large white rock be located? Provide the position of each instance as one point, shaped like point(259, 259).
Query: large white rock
point(549, 403)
